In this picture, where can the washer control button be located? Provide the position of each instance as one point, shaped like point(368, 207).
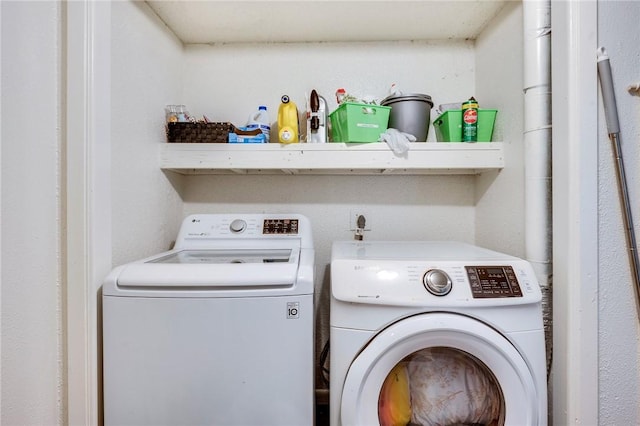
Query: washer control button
point(238, 226)
point(437, 282)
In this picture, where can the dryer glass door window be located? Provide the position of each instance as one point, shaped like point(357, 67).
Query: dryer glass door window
point(440, 385)
point(439, 368)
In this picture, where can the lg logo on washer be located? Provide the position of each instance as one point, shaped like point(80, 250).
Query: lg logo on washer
point(293, 310)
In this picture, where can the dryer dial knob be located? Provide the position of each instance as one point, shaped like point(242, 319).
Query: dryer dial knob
point(437, 282)
point(238, 226)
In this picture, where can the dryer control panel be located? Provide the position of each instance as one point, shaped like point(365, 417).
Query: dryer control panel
point(493, 281)
point(430, 274)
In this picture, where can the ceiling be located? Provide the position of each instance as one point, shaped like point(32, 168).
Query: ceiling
point(241, 21)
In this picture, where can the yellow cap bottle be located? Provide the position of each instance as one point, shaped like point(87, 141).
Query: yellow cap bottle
point(287, 121)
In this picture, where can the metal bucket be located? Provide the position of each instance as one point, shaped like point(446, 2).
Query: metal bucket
point(410, 113)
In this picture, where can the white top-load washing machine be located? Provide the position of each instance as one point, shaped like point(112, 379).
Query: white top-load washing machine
point(429, 333)
point(218, 330)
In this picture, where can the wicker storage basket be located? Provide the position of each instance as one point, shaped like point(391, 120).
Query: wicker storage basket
point(199, 132)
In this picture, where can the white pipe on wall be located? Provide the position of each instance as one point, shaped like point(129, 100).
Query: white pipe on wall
point(537, 144)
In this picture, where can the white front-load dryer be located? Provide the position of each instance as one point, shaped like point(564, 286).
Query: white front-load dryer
point(426, 333)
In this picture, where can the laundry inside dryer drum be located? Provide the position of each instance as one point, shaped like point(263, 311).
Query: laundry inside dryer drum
point(440, 386)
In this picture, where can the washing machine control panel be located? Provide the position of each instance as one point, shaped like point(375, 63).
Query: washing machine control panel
point(280, 226)
point(218, 227)
point(493, 282)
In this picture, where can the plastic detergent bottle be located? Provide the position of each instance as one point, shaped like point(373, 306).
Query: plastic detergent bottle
point(288, 121)
point(260, 120)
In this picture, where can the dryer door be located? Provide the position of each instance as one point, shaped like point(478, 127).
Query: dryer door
point(439, 368)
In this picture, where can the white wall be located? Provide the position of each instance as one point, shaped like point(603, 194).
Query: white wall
point(500, 199)
point(32, 289)
point(619, 330)
point(146, 66)
point(228, 81)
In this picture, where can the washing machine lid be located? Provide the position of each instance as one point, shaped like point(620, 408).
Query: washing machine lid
point(225, 255)
point(367, 373)
point(213, 268)
point(255, 256)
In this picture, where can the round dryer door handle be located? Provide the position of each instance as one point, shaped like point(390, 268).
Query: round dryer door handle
point(437, 282)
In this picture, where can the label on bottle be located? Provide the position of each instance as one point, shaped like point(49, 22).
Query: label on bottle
point(470, 121)
point(286, 135)
point(266, 129)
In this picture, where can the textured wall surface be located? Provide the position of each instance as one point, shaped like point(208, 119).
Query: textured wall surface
point(619, 330)
point(146, 75)
point(32, 335)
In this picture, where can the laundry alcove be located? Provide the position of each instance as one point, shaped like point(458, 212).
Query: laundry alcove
point(153, 64)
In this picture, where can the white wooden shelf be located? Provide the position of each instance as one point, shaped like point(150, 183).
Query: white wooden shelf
point(331, 158)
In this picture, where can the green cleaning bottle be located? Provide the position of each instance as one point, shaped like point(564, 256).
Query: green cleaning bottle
point(470, 120)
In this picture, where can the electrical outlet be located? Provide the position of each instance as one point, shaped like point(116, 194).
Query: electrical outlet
point(353, 219)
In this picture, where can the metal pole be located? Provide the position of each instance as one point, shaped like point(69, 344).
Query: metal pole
point(613, 128)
